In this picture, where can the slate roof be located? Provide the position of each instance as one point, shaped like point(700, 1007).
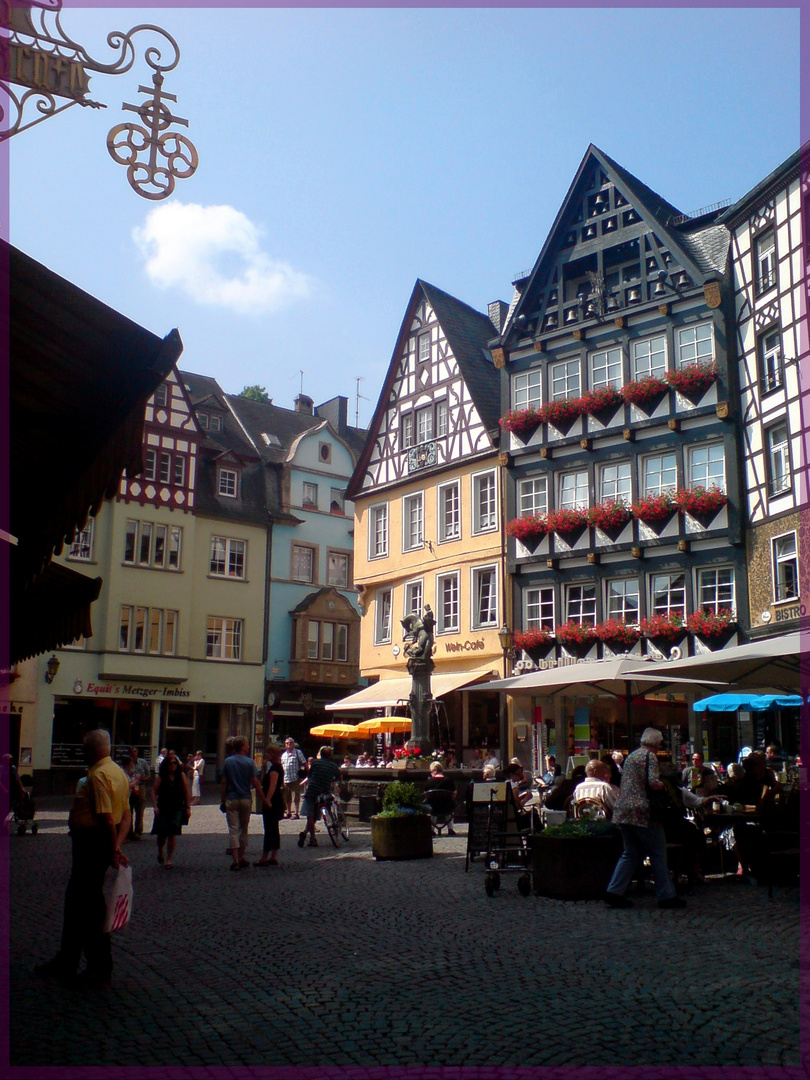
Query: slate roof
point(709, 247)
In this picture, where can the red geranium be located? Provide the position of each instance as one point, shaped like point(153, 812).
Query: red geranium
point(612, 514)
point(575, 633)
point(710, 623)
point(567, 521)
point(595, 401)
point(532, 527)
point(655, 507)
point(617, 632)
point(644, 390)
point(533, 639)
point(663, 626)
point(693, 378)
point(407, 751)
point(701, 501)
point(521, 421)
point(561, 412)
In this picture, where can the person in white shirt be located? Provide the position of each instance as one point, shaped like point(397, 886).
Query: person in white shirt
point(597, 786)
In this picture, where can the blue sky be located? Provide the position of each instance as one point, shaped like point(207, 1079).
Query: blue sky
point(344, 153)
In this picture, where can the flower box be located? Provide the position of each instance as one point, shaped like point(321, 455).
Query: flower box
point(616, 632)
point(655, 507)
point(562, 413)
point(701, 502)
point(610, 516)
point(566, 522)
point(530, 529)
point(693, 379)
point(711, 624)
point(606, 398)
point(666, 627)
point(534, 641)
point(521, 422)
point(643, 391)
point(576, 635)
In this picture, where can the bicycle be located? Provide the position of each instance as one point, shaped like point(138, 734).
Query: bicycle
point(333, 818)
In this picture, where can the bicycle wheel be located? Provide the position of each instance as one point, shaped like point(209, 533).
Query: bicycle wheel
point(343, 824)
point(330, 823)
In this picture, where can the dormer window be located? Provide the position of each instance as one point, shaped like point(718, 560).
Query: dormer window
point(162, 394)
point(215, 423)
point(202, 418)
point(228, 483)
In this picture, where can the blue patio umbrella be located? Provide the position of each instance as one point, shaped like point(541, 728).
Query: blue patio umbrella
point(747, 702)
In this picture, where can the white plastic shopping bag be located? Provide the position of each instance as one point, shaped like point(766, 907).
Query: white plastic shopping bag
point(119, 904)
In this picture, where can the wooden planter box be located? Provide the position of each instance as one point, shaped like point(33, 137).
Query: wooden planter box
point(409, 837)
point(574, 868)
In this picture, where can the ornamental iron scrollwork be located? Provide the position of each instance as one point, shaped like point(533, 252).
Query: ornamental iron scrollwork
point(53, 72)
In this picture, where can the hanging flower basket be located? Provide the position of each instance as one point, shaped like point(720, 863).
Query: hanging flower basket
point(561, 414)
point(711, 624)
point(618, 633)
point(664, 627)
point(530, 529)
point(655, 507)
point(574, 635)
point(521, 422)
point(567, 522)
point(535, 642)
point(644, 391)
point(605, 399)
point(610, 516)
point(693, 379)
point(701, 502)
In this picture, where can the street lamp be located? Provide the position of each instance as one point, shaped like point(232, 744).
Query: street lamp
point(507, 639)
point(51, 669)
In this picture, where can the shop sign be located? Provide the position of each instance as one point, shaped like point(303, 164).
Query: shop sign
point(788, 614)
point(464, 646)
point(154, 693)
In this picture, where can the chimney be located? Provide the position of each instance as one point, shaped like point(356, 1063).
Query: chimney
point(336, 411)
point(497, 311)
point(303, 404)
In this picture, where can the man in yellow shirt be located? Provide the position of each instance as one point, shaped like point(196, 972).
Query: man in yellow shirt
point(99, 821)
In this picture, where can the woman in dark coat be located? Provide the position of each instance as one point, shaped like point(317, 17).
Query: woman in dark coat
point(172, 803)
point(272, 780)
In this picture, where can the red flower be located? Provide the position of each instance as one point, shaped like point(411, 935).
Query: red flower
point(532, 527)
point(575, 633)
point(643, 390)
point(655, 507)
point(521, 421)
point(567, 521)
point(617, 632)
point(693, 378)
point(534, 638)
point(710, 623)
point(606, 397)
point(700, 501)
point(663, 626)
point(612, 514)
point(561, 412)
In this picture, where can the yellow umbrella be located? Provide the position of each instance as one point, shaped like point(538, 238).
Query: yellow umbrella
point(385, 723)
point(336, 731)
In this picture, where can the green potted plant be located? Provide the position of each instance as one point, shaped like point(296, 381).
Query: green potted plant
point(575, 861)
point(402, 829)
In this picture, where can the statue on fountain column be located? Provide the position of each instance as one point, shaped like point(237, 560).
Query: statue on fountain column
point(419, 651)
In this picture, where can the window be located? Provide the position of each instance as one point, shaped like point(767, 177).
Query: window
point(441, 419)
point(485, 597)
point(484, 508)
point(150, 464)
point(706, 466)
point(695, 344)
point(327, 640)
point(179, 475)
point(153, 545)
point(580, 603)
point(413, 522)
point(447, 596)
point(668, 594)
point(424, 424)
point(407, 430)
point(785, 567)
point(228, 483)
point(765, 254)
point(424, 348)
point(342, 643)
point(659, 473)
point(779, 479)
point(228, 557)
point(337, 569)
point(621, 599)
point(162, 394)
point(414, 595)
point(526, 393)
point(538, 608)
point(564, 379)
point(572, 490)
point(649, 357)
point(81, 546)
point(337, 500)
point(378, 531)
point(715, 589)
point(224, 639)
point(202, 418)
point(310, 496)
point(449, 512)
point(382, 617)
point(769, 349)
point(606, 368)
point(532, 496)
point(615, 482)
point(313, 639)
point(302, 566)
point(216, 423)
point(165, 467)
point(152, 630)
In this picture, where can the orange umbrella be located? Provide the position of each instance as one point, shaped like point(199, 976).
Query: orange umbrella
point(380, 724)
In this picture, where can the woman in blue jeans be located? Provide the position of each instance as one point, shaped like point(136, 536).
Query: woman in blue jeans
point(642, 837)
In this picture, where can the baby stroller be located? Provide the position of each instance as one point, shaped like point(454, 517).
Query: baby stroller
point(442, 804)
point(23, 811)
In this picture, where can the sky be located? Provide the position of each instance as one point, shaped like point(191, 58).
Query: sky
point(345, 153)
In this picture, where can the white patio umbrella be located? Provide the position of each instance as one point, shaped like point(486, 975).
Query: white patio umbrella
point(774, 663)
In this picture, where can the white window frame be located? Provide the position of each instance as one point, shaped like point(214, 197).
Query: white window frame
point(765, 261)
point(780, 474)
point(448, 602)
point(134, 616)
point(295, 574)
point(81, 546)
point(576, 499)
point(614, 480)
point(162, 395)
point(228, 483)
point(383, 600)
point(671, 593)
point(309, 495)
point(406, 430)
point(664, 468)
point(618, 599)
point(150, 464)
point(717, 594)
point(769, 359)
point(580, 602)
point(233, 551)
point(539, 610)
point(484, 587)
point(313, 639)
point(441, 421)
point(163, 545)
point(378, 539)
point(781, 559)
point(215, 423)
point(706, 474)
point(566, 376)
point(423, 346)
point(413, 597)
point(606, 367)
point(449, 511)
point(338, 568)
point(413, 521)
point(337, 500)
point(342, 643)
point(649, 358)
point(531, 496)
point(166, 471)
point(484, 516)
point(695, 343)
point(527, 389)
point(423, 424)
point(224, 639)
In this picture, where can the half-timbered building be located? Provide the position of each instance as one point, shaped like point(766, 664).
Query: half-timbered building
point(427, 503)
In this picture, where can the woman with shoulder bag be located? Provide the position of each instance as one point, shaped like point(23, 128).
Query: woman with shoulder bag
point(172, 804)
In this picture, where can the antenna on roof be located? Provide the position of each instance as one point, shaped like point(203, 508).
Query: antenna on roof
point(302, 379)
point(358, 396)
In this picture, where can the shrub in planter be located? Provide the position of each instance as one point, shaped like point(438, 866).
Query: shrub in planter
point(530, 529)
point(575, 861)
point(655, 507)
point(402, 830)
point(601, 400)
point(617, 632)
point(700, 501)
point(575, 635)
point(643, 391)
point(521, 422)
point(667, 627)
point(610, 516)
point(567, 521)
point(711, 624)
point(694, 378)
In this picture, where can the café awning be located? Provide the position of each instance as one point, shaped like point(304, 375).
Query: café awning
point(747, 702)
point(770, 664)
point(389, 692)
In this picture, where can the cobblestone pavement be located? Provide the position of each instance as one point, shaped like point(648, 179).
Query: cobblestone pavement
point(334, 959)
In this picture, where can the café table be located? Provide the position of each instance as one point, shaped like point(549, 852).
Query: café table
point(719, 822)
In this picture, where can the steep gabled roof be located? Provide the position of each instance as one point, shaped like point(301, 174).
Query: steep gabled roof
point(468, 334)
point(763, 190)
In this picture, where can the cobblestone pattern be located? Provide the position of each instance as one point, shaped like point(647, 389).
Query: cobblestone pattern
point(334, 959)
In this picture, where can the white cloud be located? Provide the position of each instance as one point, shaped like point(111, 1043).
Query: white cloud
point(213, 254)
